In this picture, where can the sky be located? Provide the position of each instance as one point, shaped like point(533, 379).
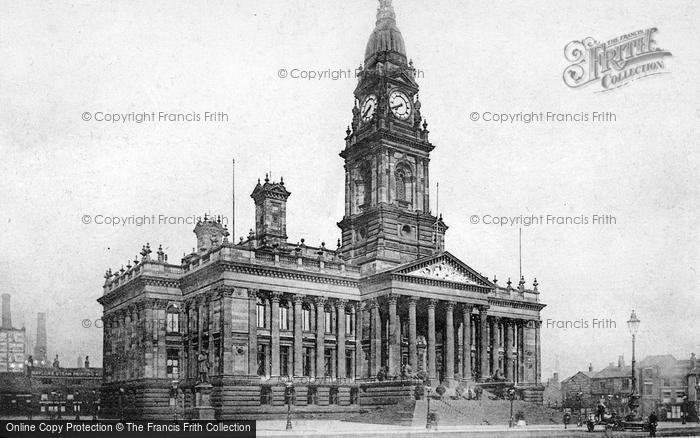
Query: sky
point(64, 60)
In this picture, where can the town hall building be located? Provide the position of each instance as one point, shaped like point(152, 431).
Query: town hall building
point(386, 304)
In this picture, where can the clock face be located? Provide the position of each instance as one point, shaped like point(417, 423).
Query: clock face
point(369, 107)
point(400, 105)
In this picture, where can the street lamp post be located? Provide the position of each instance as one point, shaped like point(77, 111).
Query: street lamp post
point(94, 405)
point(52, 405)
point(173, 394)
point(633, 325)
point(121, 405)
point(289, 390)
point(511, 395)
point(29, 407)
point(76, 405)
point(579, 396)
point(427, 415)
point(59, 404)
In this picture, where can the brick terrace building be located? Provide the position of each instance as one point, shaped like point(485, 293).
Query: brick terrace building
point(13, 341)
point(264, 309)
point(48, 387)
point(665, 384)
point(580, 382)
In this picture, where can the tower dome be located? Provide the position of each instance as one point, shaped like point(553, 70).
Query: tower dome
point(386, 42)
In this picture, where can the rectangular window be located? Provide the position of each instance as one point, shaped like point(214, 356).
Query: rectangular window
point(329, 322)
point(625, 384)
point(675, 412)
point(328, 362)
point(306, 320)
point(284, 361)
point(666, 397)
point(350, 324)
point(261, 315)
point(173, 322)
point(172, 364)
point(284, 317)
point(262, 360)
point(349, 372)
point(308, 361)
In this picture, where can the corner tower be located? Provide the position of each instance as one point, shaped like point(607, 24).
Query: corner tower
point(270, 213)
point(387, 218)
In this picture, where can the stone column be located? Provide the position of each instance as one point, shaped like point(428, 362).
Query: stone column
point(210, 330)
point(484, 343)
point(340, 307)
point(320, 337)
point(508, 353)
point(359, 355)
point(393, 338)
point(298, 336)
point(538, 351)
point(375, 338)
point(521, 351)
point(466, 342)
point(412, 347)
point(252, 332)
point(275, 333)
point(432, 372)
point(226, 340)
point(449, 341)
point(191, 332)
point(495, 343)
point(149, 369)
point(159, 310)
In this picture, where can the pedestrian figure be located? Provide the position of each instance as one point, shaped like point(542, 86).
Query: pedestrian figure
point(653, 421)
point(567, 419)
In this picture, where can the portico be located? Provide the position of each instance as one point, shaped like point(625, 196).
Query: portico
point(474, 330)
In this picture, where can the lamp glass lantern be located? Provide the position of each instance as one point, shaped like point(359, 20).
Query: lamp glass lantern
point(633, 323)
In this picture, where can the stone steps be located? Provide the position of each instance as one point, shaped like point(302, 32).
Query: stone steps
point(478, 412)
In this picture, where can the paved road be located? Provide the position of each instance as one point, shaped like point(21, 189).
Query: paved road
point(335, 428)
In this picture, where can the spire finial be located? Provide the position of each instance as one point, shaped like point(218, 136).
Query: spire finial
point(385, 11)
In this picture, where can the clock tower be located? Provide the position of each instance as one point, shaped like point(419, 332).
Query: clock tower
point(387, 218)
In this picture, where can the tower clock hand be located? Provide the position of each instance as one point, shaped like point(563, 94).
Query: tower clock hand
point(397, 106)
point(367, 111)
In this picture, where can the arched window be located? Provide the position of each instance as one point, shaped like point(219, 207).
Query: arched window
point(400, 186)
point(404, 183)
point(363, 186)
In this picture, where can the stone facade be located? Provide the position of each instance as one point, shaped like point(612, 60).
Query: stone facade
point(251, 315)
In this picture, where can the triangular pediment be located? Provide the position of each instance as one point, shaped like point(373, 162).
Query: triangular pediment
point(444, 267)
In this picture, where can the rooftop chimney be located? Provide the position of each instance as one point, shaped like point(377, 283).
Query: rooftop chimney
point(6, 312)
point(590, 367)
point(620, 361)
point(40, 346)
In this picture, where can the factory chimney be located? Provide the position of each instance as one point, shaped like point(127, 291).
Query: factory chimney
point(40, 346)
point(6, 312)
